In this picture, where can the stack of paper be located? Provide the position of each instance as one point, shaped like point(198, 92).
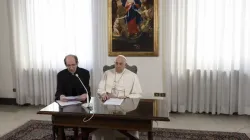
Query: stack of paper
point(68, 103)
point(113, 101)
point(71, 98)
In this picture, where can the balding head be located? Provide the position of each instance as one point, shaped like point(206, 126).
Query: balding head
point(122, 57)
point(71, 62)
point(120, 63)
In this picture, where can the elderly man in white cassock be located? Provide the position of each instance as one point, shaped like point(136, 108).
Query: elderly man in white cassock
point(117, 83)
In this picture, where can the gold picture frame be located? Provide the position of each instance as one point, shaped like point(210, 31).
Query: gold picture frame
point(141, 39)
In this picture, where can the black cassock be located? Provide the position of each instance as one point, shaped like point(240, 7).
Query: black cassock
point(69, 85)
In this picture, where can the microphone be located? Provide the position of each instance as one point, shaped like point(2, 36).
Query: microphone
point(85, 104)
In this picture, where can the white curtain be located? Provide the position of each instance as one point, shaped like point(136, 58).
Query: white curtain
point(44, 32)
point(100, 39)
point(207, 58)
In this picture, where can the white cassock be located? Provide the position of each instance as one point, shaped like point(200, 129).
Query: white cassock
point(126, 81)
point(120, 84)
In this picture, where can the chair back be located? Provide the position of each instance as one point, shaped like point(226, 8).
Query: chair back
point(132, 68)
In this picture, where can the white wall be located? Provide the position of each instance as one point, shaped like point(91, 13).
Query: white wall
point(6, 81)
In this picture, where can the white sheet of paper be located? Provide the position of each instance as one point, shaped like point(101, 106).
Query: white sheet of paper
point(68, 103)
point(113, 101)
point(70, 98)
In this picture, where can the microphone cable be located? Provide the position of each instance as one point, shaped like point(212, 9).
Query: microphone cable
point(85, 118)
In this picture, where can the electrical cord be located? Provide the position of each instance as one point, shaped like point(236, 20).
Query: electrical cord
point(84, 119)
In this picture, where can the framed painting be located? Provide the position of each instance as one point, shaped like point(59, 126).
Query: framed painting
point(133, 27)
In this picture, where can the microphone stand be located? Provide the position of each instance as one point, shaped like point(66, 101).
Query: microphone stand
point(86, 105)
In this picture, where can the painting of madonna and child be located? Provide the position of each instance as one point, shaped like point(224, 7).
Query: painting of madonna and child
point(133, 27)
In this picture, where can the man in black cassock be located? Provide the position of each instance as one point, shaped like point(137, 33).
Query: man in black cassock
point(68, 83)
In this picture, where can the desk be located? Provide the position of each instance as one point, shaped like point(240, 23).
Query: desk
point(132, 114)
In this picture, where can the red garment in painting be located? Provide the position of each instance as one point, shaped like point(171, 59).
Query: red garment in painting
point(132, 26)
point(133, 17)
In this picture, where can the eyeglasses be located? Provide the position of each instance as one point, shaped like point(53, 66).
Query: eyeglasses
point(72, 65)
point(116, 63)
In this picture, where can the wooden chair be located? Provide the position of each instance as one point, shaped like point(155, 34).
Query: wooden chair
point(132, 68)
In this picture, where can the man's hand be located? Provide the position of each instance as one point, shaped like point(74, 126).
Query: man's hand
point(83, 97)
point(105, 97)
point(63, 99)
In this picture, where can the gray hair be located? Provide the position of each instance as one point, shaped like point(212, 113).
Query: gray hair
point(122, 57)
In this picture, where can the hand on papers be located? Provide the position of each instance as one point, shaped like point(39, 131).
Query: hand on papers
point(83, 97)
point(69, 100)
point(63, 98)
point(105, 97)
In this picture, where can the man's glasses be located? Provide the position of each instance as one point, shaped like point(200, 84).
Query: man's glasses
point(116, 63)
point(72, 65)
